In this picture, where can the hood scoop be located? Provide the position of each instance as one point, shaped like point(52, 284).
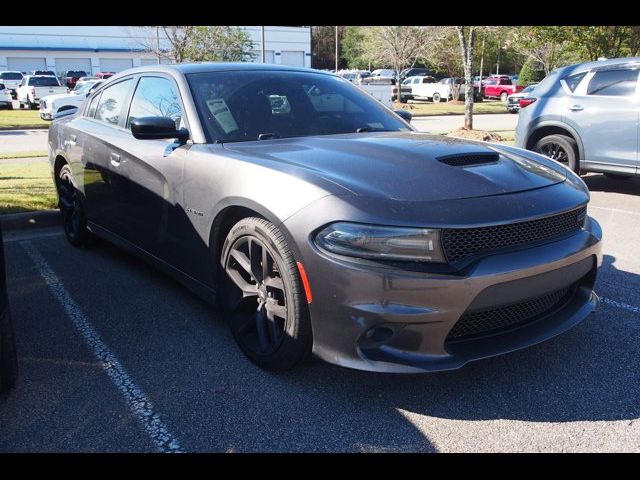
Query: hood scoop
point(469, 159)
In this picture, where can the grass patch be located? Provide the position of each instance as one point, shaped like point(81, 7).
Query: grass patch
point(21, 119)
point(27, 154)
point(25, 187)
point(420, 108)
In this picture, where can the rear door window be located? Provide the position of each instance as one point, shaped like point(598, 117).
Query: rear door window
point(111, 102)
point(613, 83)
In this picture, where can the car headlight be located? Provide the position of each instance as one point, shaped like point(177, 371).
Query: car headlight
point(381, 242)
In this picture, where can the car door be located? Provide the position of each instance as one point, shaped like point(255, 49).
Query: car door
point(150, 204)
point(605, 112)
point(100, 139)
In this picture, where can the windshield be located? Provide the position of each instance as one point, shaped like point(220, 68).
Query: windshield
point(11, 76)
point(44, 82)
point(261, 105)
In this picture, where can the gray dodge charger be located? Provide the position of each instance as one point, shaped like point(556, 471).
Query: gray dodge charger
point(322, 222)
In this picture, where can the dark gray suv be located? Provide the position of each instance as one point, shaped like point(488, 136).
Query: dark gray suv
point(586, 116)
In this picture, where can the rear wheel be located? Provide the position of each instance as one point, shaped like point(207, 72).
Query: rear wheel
point(436, 98)
point(503, 96)
point(262, 296)
point(71, 208)
point(560, 148)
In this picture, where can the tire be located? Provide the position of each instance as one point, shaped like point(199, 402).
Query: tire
point(30, 105)
point(503, 97)
point(436, 98)
point(618, 176)
point(72, 208)
point(561, 148)
point(8, 357)
point(274, 290)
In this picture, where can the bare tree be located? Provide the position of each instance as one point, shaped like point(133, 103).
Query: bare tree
point(173, 42)
point(466, 35)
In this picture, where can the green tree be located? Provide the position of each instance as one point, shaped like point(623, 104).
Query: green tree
point(601, 41)
point(530, 73)
point(220, 44)
point(354, 48)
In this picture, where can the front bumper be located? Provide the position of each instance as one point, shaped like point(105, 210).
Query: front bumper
point(374, 317)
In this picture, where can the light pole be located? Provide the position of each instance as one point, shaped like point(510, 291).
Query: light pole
point(262, 42)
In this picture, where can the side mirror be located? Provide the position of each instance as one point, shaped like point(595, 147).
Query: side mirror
point(403, 114)
point(154, 128)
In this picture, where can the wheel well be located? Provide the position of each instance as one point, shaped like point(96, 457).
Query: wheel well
point(57, 166)
point(550, 130)
point(223, 222)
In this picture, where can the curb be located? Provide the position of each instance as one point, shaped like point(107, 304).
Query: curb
point(30, 220)
point(26, 127)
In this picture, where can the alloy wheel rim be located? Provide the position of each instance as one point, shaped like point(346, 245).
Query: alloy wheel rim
point(258, 298)
point(555, 152)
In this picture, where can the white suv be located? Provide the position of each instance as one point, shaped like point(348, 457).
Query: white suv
point(586, 116)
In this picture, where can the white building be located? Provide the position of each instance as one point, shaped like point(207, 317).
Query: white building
point(112, 49)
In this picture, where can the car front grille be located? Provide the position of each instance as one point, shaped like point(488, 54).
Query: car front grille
point(460, 243)
point(502, 318)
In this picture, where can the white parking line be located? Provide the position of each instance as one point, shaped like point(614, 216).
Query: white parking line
point(624, 306)
point(139, 404)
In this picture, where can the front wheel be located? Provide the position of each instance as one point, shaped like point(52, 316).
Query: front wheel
point(71, 208)
point(560, 148)
point(262, 296)
point(436, 98)
point(503, 97)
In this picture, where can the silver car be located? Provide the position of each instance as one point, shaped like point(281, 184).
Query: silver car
point(586, 116)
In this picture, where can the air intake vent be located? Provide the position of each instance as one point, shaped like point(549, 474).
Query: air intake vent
point(469, 159)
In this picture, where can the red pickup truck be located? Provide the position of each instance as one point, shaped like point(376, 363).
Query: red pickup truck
point(499, 87)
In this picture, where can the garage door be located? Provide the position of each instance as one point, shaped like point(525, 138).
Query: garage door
point(66, 64)
point(293, 58)
point(26, 64)
point(153, 61)
point(115, 64)
point(269, 56)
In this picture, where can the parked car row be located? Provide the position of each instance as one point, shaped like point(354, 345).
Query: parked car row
point(426, 87)
point(53, 104)
point(13, 79)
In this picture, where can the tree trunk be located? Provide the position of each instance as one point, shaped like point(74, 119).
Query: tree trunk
point(466, 49)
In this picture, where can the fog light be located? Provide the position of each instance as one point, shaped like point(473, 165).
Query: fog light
point(379, 334)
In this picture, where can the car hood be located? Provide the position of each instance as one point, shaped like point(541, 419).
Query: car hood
point(405, 165)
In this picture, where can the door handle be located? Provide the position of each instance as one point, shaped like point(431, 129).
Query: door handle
point(115, 159)
point(576, 108)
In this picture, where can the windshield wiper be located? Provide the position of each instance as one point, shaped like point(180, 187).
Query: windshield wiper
point(372, 129)
point(267, 136)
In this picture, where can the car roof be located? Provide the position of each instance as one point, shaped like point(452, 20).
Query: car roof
point(598, 64)
point(203, 67)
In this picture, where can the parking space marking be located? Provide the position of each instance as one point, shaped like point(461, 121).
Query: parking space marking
point(612, 209)
point(624, 306)
point(139, 404)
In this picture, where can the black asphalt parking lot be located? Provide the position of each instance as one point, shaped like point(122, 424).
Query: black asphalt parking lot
point(115, 356)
